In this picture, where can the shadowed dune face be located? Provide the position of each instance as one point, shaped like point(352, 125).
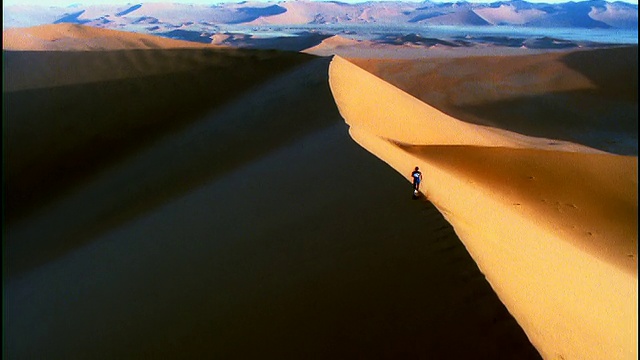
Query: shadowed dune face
point(613, 72)
point(555, 95)
point(299, 261)
point(65, 126)
point(555, 183)
point(225, 136)
point(220, 210)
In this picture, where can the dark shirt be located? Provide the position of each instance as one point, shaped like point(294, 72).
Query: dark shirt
point(416, 176)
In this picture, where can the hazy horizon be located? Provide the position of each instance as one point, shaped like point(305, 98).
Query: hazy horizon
point(211, 2)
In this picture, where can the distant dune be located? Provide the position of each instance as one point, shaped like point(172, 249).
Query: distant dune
point(297, 13)
point(70, 37)
point(205, 20)
point(290, 25)
point(459, 18)
point(509, 14)
point(334, 44)
point(299, 42)
point(412, 46)
point(220, 202)
point(552, 224)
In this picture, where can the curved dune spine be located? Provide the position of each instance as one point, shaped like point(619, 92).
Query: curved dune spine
point(571, 303)
point(384, 110)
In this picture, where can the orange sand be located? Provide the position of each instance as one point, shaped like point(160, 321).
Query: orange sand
point(552, 224)
point(206, 202)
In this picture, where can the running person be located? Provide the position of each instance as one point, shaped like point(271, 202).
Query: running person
point(416, 175)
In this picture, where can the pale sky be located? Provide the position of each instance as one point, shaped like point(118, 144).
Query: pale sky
point(210, 2)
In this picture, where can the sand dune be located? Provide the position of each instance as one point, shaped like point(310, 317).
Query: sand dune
point(552, 224)
point(330, 45)
point(395, 47)
point(587, 97)
point(220, 210)
point(508, 14)
point(305, 12)
point(62, 123)
point(196, 203)
point(295, 43)
point(405, 119)
point(68, 37)
point(167, 16)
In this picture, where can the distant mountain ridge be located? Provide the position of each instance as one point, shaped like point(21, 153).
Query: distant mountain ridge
point(163, 16)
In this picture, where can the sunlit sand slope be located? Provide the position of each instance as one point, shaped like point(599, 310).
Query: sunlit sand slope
point(588, 97)
point(552, 225)
point(404, 118)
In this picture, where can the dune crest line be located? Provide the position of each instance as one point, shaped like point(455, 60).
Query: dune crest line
point(551, 224)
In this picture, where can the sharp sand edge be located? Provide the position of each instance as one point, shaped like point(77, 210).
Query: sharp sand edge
point(573, 302)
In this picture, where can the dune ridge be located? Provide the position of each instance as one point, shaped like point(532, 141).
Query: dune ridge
point(405, 119)
point(62, 125)
point(249, 220)
point(586, 96)
point(67, 37)
point(552, 225)
point(215, 132)
point(237, 209)
point(168, 16)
